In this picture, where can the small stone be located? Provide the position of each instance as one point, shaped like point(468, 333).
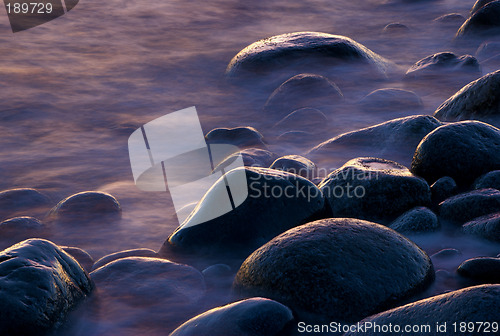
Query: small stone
point(336, 269)
point(441, 64)
point(251, 317)
point(394, 100)
point(465, 207)
point(373, 189)
point(484, 270)
point(87, 205)
point(296, 164)
point(218, 276)
point(443, 188)
point(241, 137)
point(417, 220)
point(450, 19)
point(463, 151)
point(304, 119)
point(140, 252)
point(447, 253)
point(487, 227)
point(488, 180)
point(14, 200)
point(252, 157)
point(81, 256)
point(395, 28)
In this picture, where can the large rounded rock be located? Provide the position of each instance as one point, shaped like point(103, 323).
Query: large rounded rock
point(419, 219)
point(465, 207)
point(473, 304)
point(140, 252)
point(373, 189)
point(303, 90)
point(276, 201)
point(336, 269)
point(486, 226)
point(484, 270)
point(393, 140)
point(483, 22)
point(86, 205)
point(479, 100)
point(389, 99)
point(39, 285)
point(437, 65)
point(251, 317)
point(479, 4)
point(277, 52)
point(242, 137)
point(488, 180)
point(463, 151)
point(147, 291)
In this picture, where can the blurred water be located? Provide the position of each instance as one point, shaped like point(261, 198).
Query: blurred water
point(74, 89)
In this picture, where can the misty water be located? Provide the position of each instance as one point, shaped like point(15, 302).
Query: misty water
point(74, 89)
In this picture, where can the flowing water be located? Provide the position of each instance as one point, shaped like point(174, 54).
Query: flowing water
point(74, 89)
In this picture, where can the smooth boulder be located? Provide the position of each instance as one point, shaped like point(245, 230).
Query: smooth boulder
point(83, 257)
point(337, 269)
point(443, 63)
point(241, 137)
point(478, 100)
point(374, 189)
point(469, 305)
point(393, 140)
point(467, 206)
point(463, 151)
point(416, 220)
point(296, 164)
point(87, 205)
point(487, 227)
point(251, 317)
point(276, 201)
point(488, 180)
point(483, 270)
point(278, 52)
point(39, 285)
point(140, 252)
point(484, 22)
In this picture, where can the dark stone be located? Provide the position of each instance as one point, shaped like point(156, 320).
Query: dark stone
point(20, 224)
point(447, 253)
point(218, 275)
point(140, 252)
point(395, 28)
point(242, 137)
point(81, 256)
point(465, 207)
point(86, 205)
point(437, 65)
point(419, 219)
point(304, 119)
point(276, 202)
point(39, 285)
point(21, 199)
point(486, 226)
point(373, 189)
point(488, 180)
point(450, 19)
point(296, 164)
point(479, 4)
point(157, 290)
point(251, 317)
point(252, 157)
point(484, 22)
point(394, 100)
point(443, 188)
point(277, 52)
point(478, 100)
point(484, 270)
point(463, 151)
point(337, 269)
point(473, 304)
point(300, 91)
point(392, 140)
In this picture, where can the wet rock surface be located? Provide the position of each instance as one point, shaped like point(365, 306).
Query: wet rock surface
point(21, 199)
point(304, 119)
point(417, 220)
point(483, 270)
point(463, 151)
point(467, 206)
point(252, 157)
point(486, 226)
point(478, 100)
point(276, 202)
point(296, 164)
point(373, 189)
point(140, 252)
point(393, 140)
point(390, 99)
point(83, 257)
point(242, 137)
point(484, 22)
point(87, 205)
point(39, 285)
point(471, 304)
point(334, 269)
point(488, 180)
point(251, 317)
point(443, 63)
point(443, 188)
